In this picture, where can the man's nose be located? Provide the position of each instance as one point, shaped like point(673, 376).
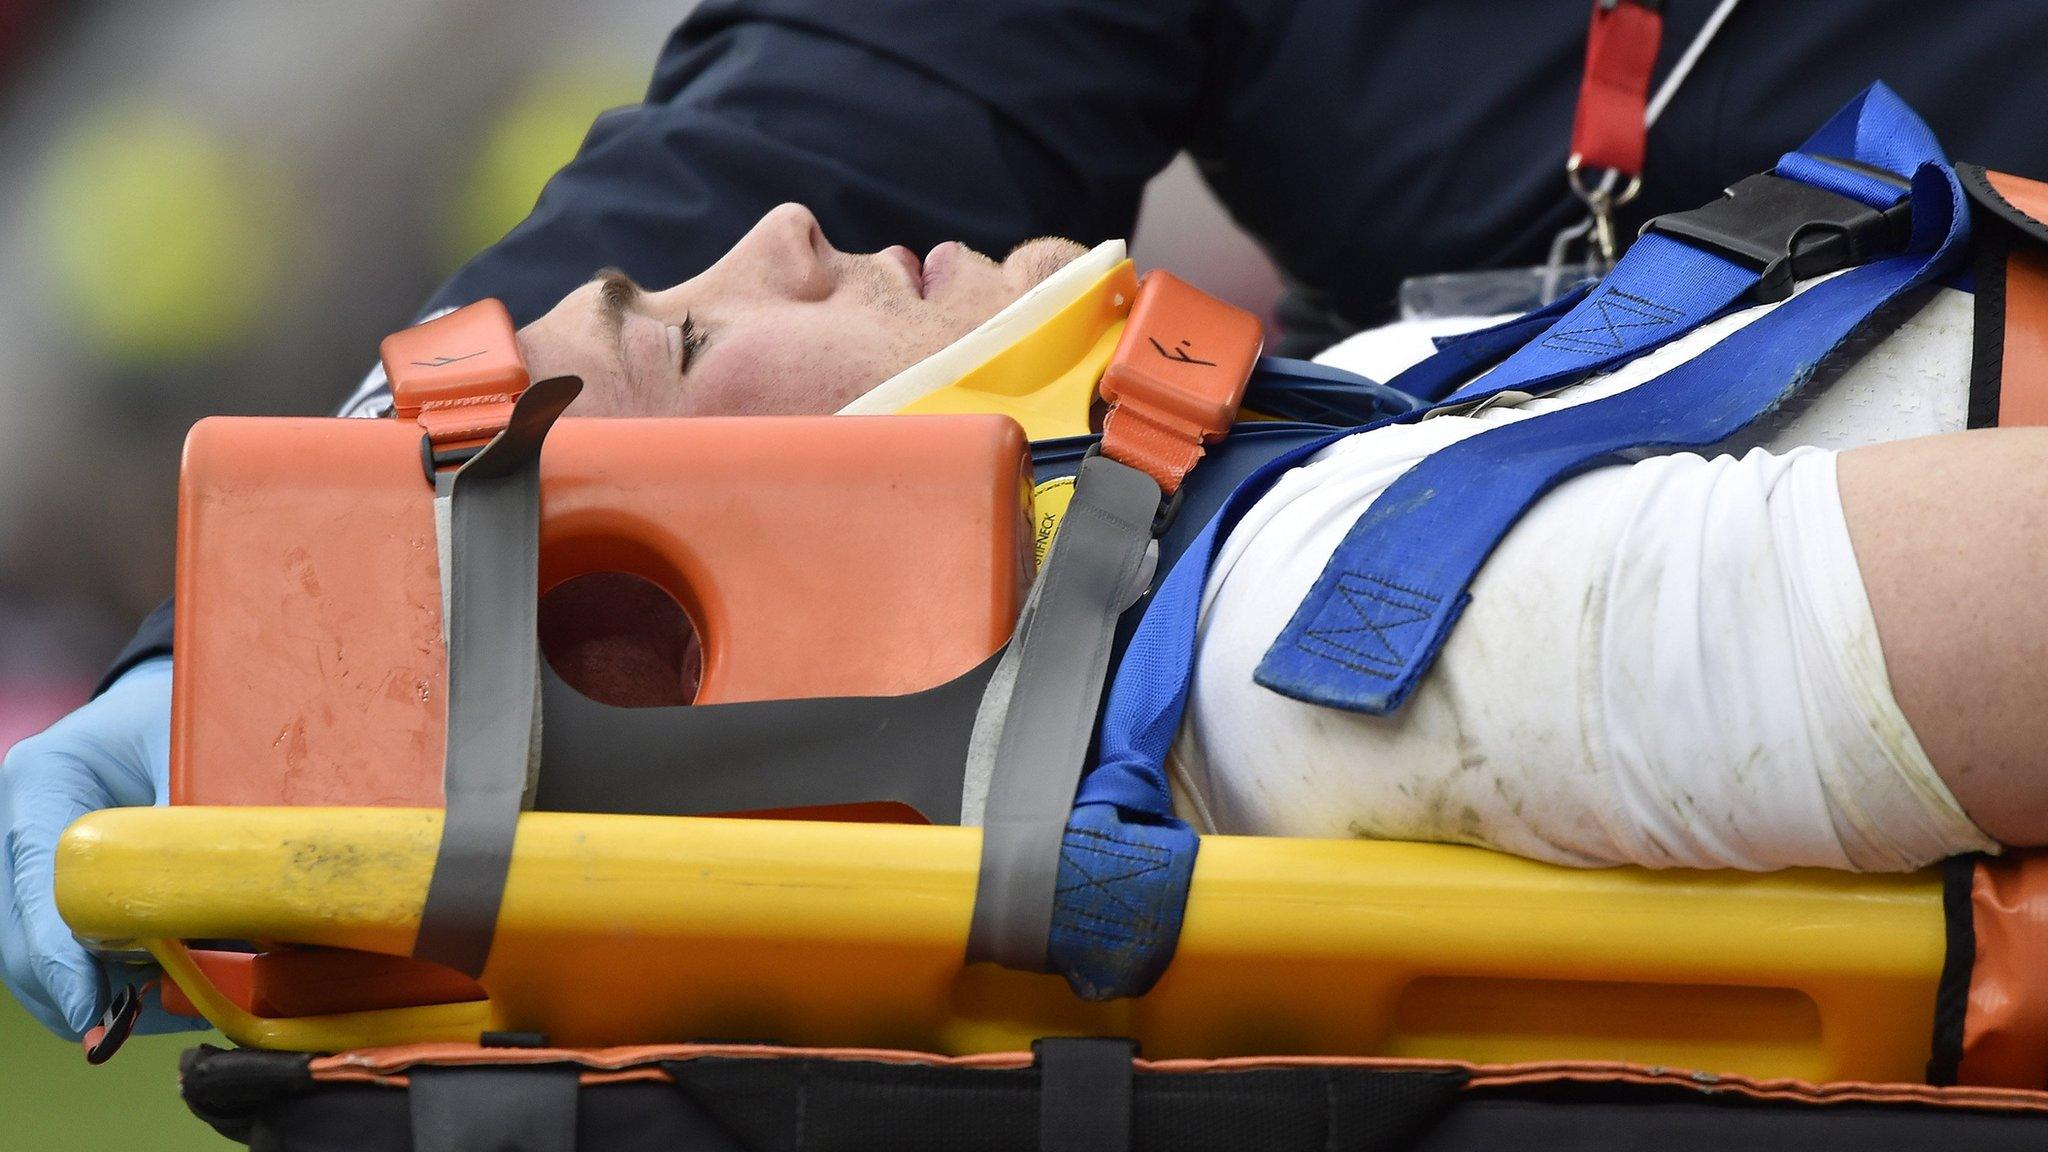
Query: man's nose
point(786, 253)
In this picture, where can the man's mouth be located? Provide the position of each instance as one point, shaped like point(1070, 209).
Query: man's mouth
point(911, 265)
point(938, 263)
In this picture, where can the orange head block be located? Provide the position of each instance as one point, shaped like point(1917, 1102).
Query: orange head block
point(827, 556)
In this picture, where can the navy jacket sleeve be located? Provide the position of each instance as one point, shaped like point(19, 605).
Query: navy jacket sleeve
point(896, 121)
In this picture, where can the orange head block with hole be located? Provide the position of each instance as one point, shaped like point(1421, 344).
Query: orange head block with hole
point(822, 556)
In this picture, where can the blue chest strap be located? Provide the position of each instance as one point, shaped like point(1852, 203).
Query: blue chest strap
point(1383, 606)
point(1447, 518)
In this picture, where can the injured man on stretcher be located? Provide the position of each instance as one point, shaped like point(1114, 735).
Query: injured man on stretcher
point(1822, 646)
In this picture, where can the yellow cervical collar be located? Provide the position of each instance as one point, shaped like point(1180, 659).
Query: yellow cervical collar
point(1037, 361)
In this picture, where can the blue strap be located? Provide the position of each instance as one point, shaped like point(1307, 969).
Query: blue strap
point(1459, 358)
point(1307, 392)
point(1661, 290)
point(1117, 900)
point(1126, 859)
point(1381, 609)
point(1151, 687)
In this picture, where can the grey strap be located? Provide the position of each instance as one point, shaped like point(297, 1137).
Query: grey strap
point(1038, 716)
point(491, 585)
point(493, 1109)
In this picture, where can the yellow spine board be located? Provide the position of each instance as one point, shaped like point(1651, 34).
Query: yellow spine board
point(627, 929)
point(1047, 380)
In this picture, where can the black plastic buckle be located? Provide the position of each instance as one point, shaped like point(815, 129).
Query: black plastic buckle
point(1791, 230)
point(1169, 510)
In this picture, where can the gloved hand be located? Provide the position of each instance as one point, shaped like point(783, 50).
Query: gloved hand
point(113, 752)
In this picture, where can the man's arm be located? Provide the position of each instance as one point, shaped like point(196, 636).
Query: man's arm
point(896, 121)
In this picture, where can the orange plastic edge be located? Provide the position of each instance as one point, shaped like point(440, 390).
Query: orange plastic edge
point(2023, 371)
point(2005, 1024)
point(392, 1066)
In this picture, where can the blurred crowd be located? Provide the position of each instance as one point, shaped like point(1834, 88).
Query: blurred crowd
point(220, 206)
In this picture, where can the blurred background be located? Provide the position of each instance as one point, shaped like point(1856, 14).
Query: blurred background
point(220, 206)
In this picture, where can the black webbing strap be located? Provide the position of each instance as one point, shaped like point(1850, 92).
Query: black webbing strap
point(494, 1109)
point(491, 585)
point(1084, 1094)
point(2009, 218)
point(809, 1104)
point(1992, 248)
point(1959, 960)
point(1038, 716)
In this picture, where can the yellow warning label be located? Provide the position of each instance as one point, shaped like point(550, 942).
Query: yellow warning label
point(1048, 504)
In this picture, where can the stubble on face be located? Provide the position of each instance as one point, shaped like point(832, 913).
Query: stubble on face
point(1034, 261)
point(776, 344)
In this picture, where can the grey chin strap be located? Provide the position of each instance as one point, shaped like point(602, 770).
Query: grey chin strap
point(490, 583)
point(1037, 717)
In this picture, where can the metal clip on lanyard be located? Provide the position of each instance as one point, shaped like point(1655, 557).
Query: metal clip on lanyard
point(1611, 128)
point(1609, 132)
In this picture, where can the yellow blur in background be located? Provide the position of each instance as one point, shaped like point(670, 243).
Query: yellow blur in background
point(164, 239)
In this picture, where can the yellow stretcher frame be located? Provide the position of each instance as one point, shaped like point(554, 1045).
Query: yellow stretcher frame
point(631, 929)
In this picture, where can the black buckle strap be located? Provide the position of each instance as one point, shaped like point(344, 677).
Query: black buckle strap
point(520, 1108)
point(1084, 1093)
point(1791, 230)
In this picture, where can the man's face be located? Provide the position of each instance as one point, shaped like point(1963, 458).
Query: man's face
point(782, 324)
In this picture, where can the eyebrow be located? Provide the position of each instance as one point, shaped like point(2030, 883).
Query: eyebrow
point(616, 293)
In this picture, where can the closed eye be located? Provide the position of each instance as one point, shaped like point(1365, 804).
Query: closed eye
point(685, 339)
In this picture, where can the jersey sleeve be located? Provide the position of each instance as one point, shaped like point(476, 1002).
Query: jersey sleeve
point(895, 121)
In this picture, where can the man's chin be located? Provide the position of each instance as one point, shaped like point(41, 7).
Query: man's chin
point(1031, 262)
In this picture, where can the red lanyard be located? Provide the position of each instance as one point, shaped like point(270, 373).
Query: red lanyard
point(1611, 128)
point(1621, 53)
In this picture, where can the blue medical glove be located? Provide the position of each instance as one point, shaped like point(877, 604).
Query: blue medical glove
point(113, 752)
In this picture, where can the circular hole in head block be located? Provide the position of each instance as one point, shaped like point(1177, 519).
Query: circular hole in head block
point(621, 640)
